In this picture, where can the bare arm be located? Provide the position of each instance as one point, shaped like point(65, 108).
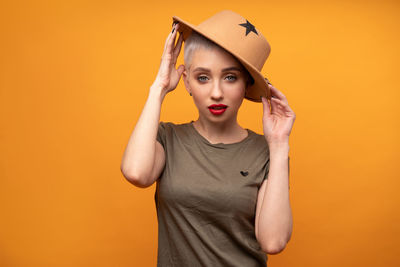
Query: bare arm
point(143, 151)
point(274, 215)
point(144, 156)
point(274, 220)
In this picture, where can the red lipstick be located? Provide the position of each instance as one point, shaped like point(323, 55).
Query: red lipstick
point(217, 109)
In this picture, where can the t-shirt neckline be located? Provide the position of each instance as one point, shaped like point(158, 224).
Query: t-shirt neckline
point(203, 139)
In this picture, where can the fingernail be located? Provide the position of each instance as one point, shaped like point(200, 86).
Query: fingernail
point(173, 30)
point(173, 23)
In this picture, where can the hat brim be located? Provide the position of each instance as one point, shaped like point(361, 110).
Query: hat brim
point(257, 89)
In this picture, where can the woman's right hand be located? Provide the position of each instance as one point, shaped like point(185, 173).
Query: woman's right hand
point(168, 77)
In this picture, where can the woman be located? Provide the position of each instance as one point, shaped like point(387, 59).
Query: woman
point(222, 193)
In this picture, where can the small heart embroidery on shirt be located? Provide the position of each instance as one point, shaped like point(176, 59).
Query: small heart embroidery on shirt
point(244, 173)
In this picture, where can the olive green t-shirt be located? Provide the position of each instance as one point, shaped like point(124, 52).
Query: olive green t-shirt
point(206, 199)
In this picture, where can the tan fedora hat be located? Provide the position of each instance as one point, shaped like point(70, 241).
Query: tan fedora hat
point(238, 36)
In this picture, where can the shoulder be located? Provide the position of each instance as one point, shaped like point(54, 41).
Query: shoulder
point(174, 128)
point(175, 133)
point(258, 142)
point(258, 138)
point(173, 125)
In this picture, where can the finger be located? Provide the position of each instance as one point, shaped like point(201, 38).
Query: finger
point(267, 80)
point(276, 93)
point(266, 107)
point(178, 47)
point(172, 48)
point(174, 33)
point(170, 41)
point(266, 90)
point(274, 106)
point(278, 109)
point(167, 40)
point(283, 106)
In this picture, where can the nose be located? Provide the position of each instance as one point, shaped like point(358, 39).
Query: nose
point(216, 91)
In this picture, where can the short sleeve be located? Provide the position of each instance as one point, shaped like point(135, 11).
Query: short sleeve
point(161, 133)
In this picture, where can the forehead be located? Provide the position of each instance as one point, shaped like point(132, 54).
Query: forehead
point(214, 58)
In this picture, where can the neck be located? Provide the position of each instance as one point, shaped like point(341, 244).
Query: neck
point(220, 132)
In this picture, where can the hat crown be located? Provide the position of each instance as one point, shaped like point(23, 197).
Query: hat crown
point(237, 35)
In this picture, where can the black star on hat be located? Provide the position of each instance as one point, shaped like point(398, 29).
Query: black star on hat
point(249, 27)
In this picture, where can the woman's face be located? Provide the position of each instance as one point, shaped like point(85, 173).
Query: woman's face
point(215, 77)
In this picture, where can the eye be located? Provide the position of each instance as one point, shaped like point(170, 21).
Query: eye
point(231, 77)
point(202, 78)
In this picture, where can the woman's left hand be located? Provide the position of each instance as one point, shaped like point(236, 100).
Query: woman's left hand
point(278, 122)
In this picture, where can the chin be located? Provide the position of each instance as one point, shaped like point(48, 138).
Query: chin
point(219, 118)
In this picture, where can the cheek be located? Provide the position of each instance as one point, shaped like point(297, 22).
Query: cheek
point(198, 100)
point(239, 92)
point(238, 97)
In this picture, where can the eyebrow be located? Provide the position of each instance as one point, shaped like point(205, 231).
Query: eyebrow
point(223, 70)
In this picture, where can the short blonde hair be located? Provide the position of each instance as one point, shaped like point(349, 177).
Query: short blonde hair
point(196, 41)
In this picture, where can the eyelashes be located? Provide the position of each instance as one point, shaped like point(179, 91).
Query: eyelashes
point(200, 78)
point(231, 76)
point(204, 78)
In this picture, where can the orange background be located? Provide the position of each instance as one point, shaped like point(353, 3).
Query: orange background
point(74, 76)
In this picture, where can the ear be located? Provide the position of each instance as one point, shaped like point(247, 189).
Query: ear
point(185, 78)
